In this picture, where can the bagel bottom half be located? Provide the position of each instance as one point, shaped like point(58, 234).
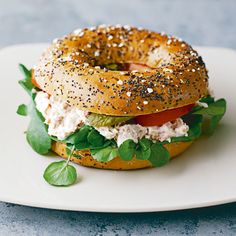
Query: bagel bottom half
point(117, 164)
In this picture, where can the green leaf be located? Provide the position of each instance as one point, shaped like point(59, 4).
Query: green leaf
point(95, 138)
point(212, 114)
point(127, 150)
point(145, 143)
point(82, 145)
point(37, 135)
point(26, 83)
point(210, 123)
point(98, 120)
point(142, 154)
point(216, 108)
point(207, 100)
point(105, 154)
point(60, 174)
point(194, 122)
point(143, 150)
point(22, 110)
point(27, 73)
point(159, 155)
point(79, 136)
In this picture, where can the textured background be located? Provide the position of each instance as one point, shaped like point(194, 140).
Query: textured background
point(208, 22)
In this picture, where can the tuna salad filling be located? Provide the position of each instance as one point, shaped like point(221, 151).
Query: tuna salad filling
point(63, 120)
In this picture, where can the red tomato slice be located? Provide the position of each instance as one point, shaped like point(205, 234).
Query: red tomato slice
point(138, 67)
point(162, 117)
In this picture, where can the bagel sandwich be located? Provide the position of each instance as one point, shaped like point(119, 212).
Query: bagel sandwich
point(118, 97)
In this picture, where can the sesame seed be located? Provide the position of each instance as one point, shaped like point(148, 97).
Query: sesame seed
point(128, 94)
point(193, 70)
point(120, 82)
point(183, 45)
point(81, 34)
point(96, 53)
point(97, 67)
point(150, 90)
point(139, 108)
point(102, 26)
point(89, 45)
point(145, 102)
point(169, 41)
point(143, 80)
point(85, 64)
point(127, 27)
point(110, 37)
point(55, 40)
point(168, 70)
point(77, 31)
point(122, 72)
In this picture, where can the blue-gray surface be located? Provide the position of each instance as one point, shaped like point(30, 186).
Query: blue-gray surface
point(198, 22)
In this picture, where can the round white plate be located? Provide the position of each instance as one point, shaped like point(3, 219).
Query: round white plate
point(204, 175)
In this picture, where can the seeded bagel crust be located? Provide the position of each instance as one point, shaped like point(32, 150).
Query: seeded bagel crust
point(69, 69)
point(117, 164)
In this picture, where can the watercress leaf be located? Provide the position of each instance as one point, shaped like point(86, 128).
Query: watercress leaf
point(68, 151)
point(216, 108)
point(127, 150)
point(22, 110)
point(79, 136)
point(99, 120)
point(60, 174)
point(210, 123)
point(82, 145)
point(95, 138)
point(26, 83)
point(104, 154)
point(143, 154)
point(207, 99)
point(145, 143)
point(194, 121)
point(143, 150)
point(27, 73)
point(159, 155)
point(37, 135)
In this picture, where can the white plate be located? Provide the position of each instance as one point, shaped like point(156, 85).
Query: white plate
point(204, 175)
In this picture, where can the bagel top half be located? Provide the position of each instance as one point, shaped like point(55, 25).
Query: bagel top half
point(70, 70)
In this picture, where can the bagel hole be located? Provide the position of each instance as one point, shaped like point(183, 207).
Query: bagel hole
point(126, 67)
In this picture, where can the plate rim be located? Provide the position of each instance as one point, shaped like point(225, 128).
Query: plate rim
point(118, 209)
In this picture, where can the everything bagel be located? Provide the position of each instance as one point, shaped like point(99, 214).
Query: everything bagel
point(117, 97)
point(72, 69)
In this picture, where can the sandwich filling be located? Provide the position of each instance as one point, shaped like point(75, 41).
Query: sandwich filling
point(63, 120)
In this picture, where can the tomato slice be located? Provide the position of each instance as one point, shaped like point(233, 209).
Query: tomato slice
point(138, 67)
point(160, 118)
